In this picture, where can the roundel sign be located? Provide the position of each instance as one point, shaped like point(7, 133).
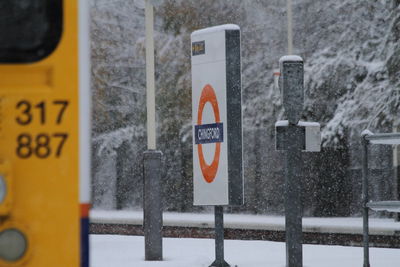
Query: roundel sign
point(216, 116)
point(209, 133)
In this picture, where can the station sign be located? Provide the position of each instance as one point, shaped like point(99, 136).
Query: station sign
point(217, 116)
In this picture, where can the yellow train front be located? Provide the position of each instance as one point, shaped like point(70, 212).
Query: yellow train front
point(44, 133)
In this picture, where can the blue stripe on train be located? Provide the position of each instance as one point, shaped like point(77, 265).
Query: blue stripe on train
point(84, 242)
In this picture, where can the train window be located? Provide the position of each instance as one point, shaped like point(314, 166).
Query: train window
point(29, 29)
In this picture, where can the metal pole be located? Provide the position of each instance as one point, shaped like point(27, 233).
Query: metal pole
point(150, 82)
point(219, 238)
point(396, 172)
point(289, 26)
point(152, 158)
point(365, 200)
point(153, 222)
point(293, 205)
point(292, 72)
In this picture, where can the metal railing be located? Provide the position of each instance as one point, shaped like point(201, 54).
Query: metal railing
point(368, 138)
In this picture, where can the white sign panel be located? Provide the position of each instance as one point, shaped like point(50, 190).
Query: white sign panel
point(216, 115)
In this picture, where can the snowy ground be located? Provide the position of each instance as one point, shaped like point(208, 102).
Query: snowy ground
point(128, 251)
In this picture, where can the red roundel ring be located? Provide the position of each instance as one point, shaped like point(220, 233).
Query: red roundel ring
point(209, 171)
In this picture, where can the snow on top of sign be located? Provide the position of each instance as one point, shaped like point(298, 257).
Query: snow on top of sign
point(308, 124)
point(366, 132)
point(217, 29)
point(300, 123)
point(290, 58)
point(381, 139)
point(281, 123)
point(391, 141)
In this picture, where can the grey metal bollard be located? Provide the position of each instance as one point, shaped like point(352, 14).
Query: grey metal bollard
point(152, 207)
point(292, 74)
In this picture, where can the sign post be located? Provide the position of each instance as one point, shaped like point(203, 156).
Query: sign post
point(217, 123)
point(219, 238)
point(294, 137)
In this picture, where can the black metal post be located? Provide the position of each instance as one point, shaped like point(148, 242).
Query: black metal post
point(397, 182)
point(292, 89)
point(396, 175)
point(293, 205)
point(152, 207)
point(219, 238)
point(365, 199)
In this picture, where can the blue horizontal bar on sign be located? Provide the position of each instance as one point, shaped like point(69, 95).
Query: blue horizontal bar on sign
point(209, 133)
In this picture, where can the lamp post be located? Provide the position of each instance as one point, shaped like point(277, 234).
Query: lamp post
point(150, 81)
point(289, 26)
point(152, 206)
